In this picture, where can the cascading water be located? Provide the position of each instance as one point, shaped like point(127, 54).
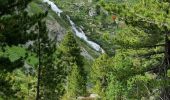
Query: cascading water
point(79, 33)
point(82, 35)
point(53, 7)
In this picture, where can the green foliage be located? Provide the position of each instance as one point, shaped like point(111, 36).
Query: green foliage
point(75, 80)
point(99, 74)
point(26, 83)
point(16, 29)
point(114, 89)
point(142, 86)
point(71, 51)
point(72, 62)
point(6, 81)
point(47, 74)
point(14, 52)
point(135, 67)
point(138, 56)
point(94, 26)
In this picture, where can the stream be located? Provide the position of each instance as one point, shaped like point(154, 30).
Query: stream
point(77, 30)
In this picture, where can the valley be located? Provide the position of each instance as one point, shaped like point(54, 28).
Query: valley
point(84, 50)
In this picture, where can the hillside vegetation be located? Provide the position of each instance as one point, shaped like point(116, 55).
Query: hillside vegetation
point(91, 50)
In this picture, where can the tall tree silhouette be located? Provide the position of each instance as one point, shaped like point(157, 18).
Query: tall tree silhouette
point(15, 29)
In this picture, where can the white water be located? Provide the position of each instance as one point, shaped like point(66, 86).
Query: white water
point(82, 35)
point(53, 7)
point(79, 33)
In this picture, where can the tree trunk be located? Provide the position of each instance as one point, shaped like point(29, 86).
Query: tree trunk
point(166, 89)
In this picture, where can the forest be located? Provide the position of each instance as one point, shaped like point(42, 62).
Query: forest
point(84, 49)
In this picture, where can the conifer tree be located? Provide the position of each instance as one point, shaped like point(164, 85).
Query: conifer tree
point(14, 25)
point(72, 62)
point(75, 80)
point(47, 74)
point(141, 56)
point(99, 74)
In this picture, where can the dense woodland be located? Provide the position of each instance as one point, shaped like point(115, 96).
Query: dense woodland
point(41, 58)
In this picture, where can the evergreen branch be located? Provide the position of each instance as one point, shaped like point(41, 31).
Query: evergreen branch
point(150, 54)
point(6, 9)
point(140, 47)
point(153, 46)
point(7, 65)
point(157, 69)
point(150, 21)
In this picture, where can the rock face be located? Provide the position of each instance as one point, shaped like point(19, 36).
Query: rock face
point(86, 54)
point(92, 12)
point(56, 31)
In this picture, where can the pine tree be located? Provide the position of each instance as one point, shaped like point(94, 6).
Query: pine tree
point(75, 80)
point(47, 81)
point(99, 74)
point(72, 61)
point(141, 57)
point(15, 29)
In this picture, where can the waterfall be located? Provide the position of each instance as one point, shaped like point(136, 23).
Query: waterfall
point(79, 33)
point(53, 7)
point(82, 35)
